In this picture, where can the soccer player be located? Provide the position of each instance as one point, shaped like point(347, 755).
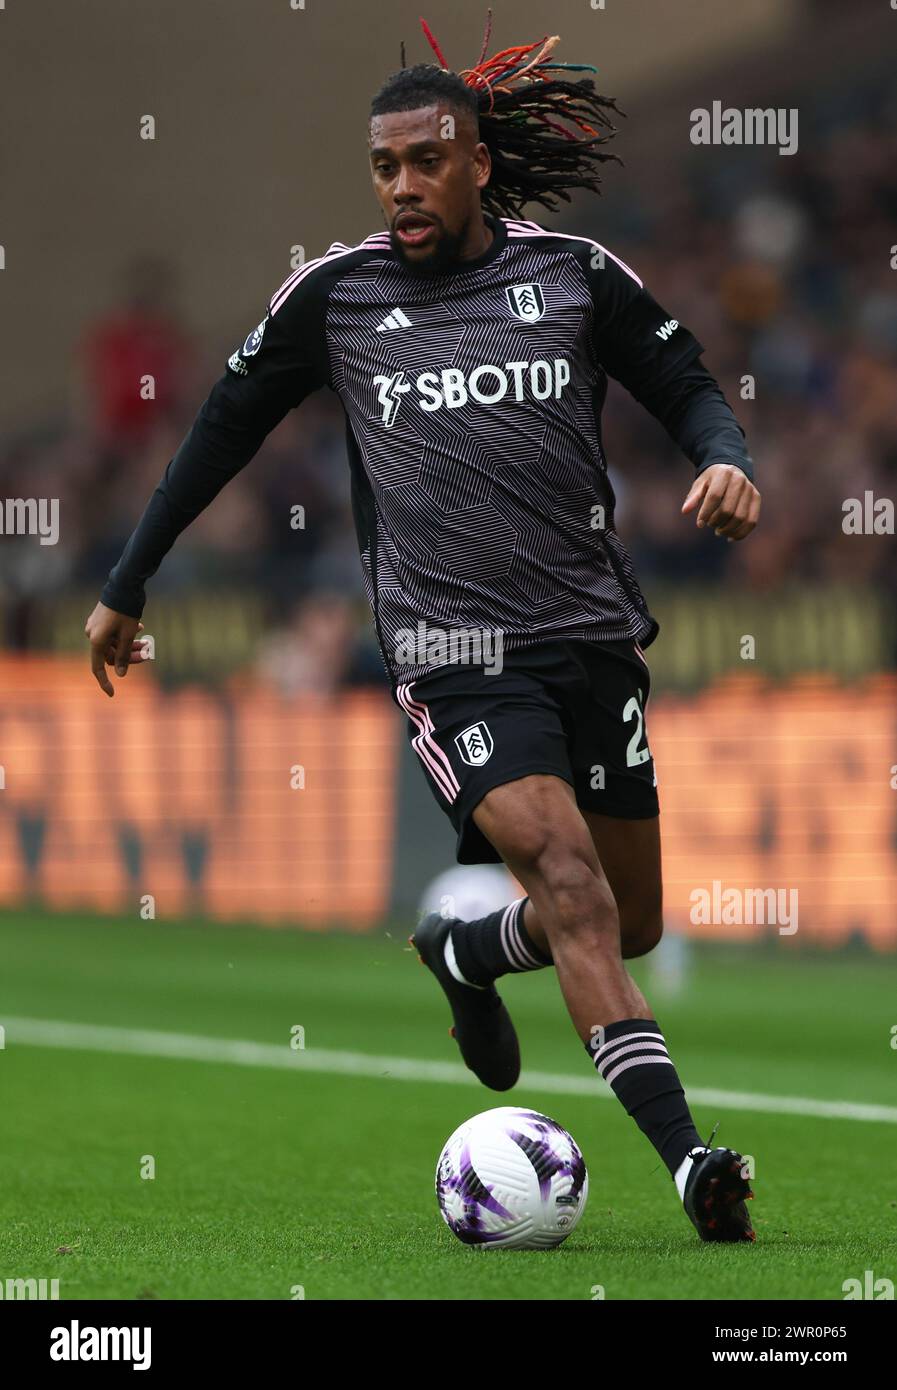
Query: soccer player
point(470, 350)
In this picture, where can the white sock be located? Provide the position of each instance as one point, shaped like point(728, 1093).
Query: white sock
point(680, 1177)
point(453, 965)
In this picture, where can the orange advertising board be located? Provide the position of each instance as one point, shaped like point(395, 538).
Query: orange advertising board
point(788, 789)
point(243, 805)
point(239, 805)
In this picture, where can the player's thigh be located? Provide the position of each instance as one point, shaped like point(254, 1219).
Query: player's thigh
point(475, 732)
point(629, 852)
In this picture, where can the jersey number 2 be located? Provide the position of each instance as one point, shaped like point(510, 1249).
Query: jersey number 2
point(633, 710)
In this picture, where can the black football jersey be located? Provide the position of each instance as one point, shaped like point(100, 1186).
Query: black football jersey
point(473, 404)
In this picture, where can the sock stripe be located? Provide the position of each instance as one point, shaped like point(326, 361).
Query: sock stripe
point(505, 937)
point(510, 938)
point(606, 1051)
point(657, 1049)
point(527, 961)
point(611, 1076)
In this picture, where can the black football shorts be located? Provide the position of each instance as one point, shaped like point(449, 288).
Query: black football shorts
point(573, 709)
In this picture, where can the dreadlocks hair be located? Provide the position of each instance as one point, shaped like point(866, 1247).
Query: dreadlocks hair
point(523, 115)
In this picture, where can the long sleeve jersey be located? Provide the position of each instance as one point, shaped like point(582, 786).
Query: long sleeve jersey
point(472, 401)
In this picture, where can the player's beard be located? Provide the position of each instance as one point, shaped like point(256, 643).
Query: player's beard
point(444, 256)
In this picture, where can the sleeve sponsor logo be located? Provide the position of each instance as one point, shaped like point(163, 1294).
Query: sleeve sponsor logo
point(237, 360)
point(254, 341)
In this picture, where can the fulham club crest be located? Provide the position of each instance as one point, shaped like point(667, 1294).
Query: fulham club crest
point(475, 745)
point(526, 301)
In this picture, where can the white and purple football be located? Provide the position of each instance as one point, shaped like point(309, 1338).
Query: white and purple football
point(511, 1179)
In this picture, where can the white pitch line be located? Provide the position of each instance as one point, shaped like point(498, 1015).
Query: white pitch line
point(186, 1047)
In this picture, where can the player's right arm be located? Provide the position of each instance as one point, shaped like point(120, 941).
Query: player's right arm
point(280, 363)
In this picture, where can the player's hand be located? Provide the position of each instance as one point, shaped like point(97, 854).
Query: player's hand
point(727, 501)
point(112, 643)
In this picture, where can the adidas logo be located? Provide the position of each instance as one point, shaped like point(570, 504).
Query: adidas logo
point(394, 320)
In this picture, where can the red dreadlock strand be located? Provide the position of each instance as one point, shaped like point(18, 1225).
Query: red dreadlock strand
point(433, 44)
point(486, 37)
point(498, 66)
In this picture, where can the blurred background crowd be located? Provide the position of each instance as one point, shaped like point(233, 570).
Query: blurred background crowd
point(784, 268)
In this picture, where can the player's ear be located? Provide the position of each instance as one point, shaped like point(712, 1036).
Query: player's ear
point(483, 162)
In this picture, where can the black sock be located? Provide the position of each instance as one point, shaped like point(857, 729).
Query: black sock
point(496, 945)
point(633, 1059)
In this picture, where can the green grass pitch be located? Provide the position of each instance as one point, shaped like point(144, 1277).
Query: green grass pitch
point(268, 1179)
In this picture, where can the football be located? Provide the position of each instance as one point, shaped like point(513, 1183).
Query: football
point(513, 1179)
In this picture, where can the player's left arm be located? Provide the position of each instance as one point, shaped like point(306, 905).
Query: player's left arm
point(656, 358)
point(695, 413)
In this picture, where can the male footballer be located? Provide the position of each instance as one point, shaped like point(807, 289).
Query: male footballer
point(470, 349)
